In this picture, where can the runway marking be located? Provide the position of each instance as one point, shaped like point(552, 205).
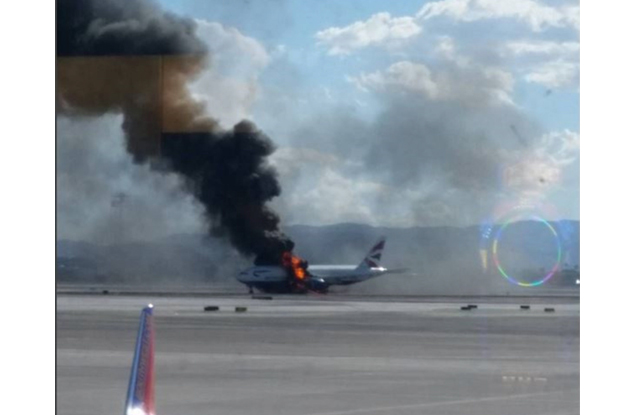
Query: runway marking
point(440, 403)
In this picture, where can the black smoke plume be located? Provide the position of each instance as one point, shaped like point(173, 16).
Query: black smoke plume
point(131, 57)
point(230, 176)
point(122, 27)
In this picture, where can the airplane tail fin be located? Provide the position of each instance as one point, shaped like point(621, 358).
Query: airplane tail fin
point(373, 258)
point(140, 398)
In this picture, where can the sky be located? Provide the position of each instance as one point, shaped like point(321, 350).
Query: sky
point(403, 114)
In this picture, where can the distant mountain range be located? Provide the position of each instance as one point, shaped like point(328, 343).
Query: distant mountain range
point(441, 259)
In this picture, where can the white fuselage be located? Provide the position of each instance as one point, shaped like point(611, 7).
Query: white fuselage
point(275, 278)
point(319, 277)
point(344, 274)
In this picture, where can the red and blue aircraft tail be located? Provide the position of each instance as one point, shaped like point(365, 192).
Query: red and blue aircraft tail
point(373, 258)
point(140, 398)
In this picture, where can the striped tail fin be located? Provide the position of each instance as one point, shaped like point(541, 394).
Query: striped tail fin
point(374, 257)
point(140, 398)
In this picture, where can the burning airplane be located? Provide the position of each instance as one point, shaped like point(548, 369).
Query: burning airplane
point(294, 275)
point(133, 58)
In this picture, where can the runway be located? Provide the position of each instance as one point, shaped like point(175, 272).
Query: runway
point(324, 355)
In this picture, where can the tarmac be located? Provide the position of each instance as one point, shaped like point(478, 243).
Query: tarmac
point(324, 355)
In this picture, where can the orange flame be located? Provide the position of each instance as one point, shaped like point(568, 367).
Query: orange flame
point(294, 265)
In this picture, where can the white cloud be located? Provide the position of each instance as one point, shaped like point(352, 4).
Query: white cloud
point(379, 30)
point(533, 13)
point(571, 14)
point(556, 74)
point(548, 63)
point(464, 83)
point(447, 48)
point(524, 47)
point(231, 50)
point(230, 86)
point(460, 79)
point(561, 147)
point(414, 77)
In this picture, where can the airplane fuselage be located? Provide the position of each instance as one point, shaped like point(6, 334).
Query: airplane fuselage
point(275, 279)
point(317, 278)
point(344, 274)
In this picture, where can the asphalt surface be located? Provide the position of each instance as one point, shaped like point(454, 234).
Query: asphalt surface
point(323, 356)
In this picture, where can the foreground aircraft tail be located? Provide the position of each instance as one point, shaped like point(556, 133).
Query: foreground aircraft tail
point(140, 398)
point(374, 257)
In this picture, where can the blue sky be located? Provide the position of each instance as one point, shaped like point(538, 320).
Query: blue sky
point(293, 24)
point(358, 93)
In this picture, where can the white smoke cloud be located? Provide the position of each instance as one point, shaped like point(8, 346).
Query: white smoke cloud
point(103, 197)
point(535, 172)
point(317, 190)
point(446, 139)
point(379, 30)
point(448, 143)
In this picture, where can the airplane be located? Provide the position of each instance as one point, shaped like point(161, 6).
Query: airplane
point(318, 278)
point(140, 396)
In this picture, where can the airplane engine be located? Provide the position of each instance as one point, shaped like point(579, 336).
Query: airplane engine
point(317, 284)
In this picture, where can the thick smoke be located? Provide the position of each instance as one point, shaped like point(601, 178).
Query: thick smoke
point(233, 181)
point(135, 59)
point(104, 198)
point(122, 27)
point(131, 57)
point(431, 153)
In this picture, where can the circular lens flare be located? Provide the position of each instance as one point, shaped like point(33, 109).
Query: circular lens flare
point(553, 270)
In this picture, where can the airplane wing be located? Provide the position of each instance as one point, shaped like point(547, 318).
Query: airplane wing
point(140, 398)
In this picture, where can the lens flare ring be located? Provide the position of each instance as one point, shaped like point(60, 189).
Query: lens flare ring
point(501, 270)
